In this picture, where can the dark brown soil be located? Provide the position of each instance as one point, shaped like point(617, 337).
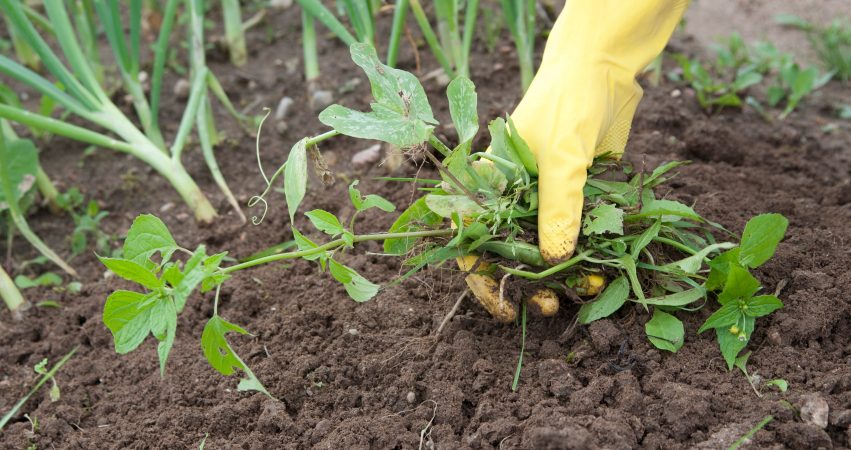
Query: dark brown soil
point(372, 375)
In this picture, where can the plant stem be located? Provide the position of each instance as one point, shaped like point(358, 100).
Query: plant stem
point(552, 270)
point(308, 43)
point(522, 347)
point(44, 378)
point(10, 293)
point(316, 9)
point(47, 188)
point(234, 34)
point(431, 38)
point(400, 13)
point(334, 244)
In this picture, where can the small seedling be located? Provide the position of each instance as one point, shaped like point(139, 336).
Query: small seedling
point(832, 43)
point(46, 375)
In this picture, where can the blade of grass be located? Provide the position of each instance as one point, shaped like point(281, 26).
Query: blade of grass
point(516, 381)
point(44, 379)
point(210, 157)
point(400, 13)
point(316, 9)
point(160, 53)
point(308, 42)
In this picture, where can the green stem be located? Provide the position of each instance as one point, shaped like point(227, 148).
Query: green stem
point(552, 270)
point(472, 10)
point(44, 378)
point(10, 293)
point(431, 38)
point(47, 188)
point(316, 9)
point(234, 33)
point(334, 244)
point(438, 145)
point(308, 42)
point(400, 13)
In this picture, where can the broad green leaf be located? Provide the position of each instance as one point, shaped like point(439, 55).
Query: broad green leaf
point(148, 235)
point(669, 211)
point(781, 384)
point(725, 317)
point(295, 177)
point(304, 243)
point(127, 315)
point(416, 217)
point(720, 267)
point(656, 177)
point(325, 222)
point(447, 205)
point(665, 331)
point(196, 270)
point(606, 218)
point(359, 288)
point(731, 344)
point(400, 114)
point(501, 148)
point(18, 168)
point(762, 305)
point(693, 263)
point(678, 298)
point(607, 303)
point(132, 271)
point(491, 175)
point(462, 107)
point(740, 285)
point(645, 238)
point(45, 279)
point(760, 238)
point(163, 323)
point(221, 356)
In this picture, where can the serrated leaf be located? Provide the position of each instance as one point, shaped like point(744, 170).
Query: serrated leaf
point(304, 243)
point(416, 217)
point(148, 235)
point(760, 238)
point(447, 205)
point(461, 93)
point(665, 331)
point(127, 315)
point(163, 323)
point(221, 356)
point(295, 177)
point(325, 222)
point(611, 300)
point(359, 288)
point(606, 218)
point(132, 271)
point(762, 305)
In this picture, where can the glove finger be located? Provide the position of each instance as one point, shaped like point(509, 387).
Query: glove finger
point(560, 183)
point(615, 137)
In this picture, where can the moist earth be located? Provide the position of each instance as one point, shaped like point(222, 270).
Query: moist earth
point(374, 375)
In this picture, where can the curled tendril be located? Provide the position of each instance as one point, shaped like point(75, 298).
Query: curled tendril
point(261, 198)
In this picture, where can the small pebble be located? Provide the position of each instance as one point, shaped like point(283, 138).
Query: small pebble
point(283, 107)
point(321, 99)
point(815, 410)
point(367, 156)
point(353, 332)
point(181, 89)
point(166, 207)
point(411, 397)
point(676, 93)
point(280, 4)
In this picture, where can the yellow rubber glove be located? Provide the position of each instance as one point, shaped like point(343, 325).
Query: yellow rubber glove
point(579, 105)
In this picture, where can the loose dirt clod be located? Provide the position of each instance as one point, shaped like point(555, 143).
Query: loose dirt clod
point(815, 410)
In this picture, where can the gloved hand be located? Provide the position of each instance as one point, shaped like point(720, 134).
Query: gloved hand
point(579, 105)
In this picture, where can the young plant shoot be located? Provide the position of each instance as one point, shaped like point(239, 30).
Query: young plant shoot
point(520, 17)
point(654, 252)
point(79, 91)
point(451, 45)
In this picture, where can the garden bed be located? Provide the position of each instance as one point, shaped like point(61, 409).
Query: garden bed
point(374, 375)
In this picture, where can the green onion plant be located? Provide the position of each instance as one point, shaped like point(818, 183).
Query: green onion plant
point(520, 18)
point(451, 44)
point(234, 32)
point(78, 90)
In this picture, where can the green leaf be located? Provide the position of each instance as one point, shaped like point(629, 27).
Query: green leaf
point(148, 235)
point(45, 279)
point(781, 384)
point(669, 211)
point(132, 271)
point(127, 315)
point(304, 243)
point(740, 285)
point(665, 331)
point(19, 166)
point(678, 298)
point(726, 316)
point(198, 268)
point(607, 218)
point(720, 268)
point(645, 238)
point(628, 264)
point(370, 201)
point(760, 238)
point(400, 114)
point(359, 288)
point(325, 222)
point(417, 216)
point(462, 107)
point(693, 263)
point(295, 177)
point(731, 344)
point(656, 177)
point(762, 305)
point(447, 205)
point(521, 148)
point(607, 303)
point(163, 323)
point(221, 356)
